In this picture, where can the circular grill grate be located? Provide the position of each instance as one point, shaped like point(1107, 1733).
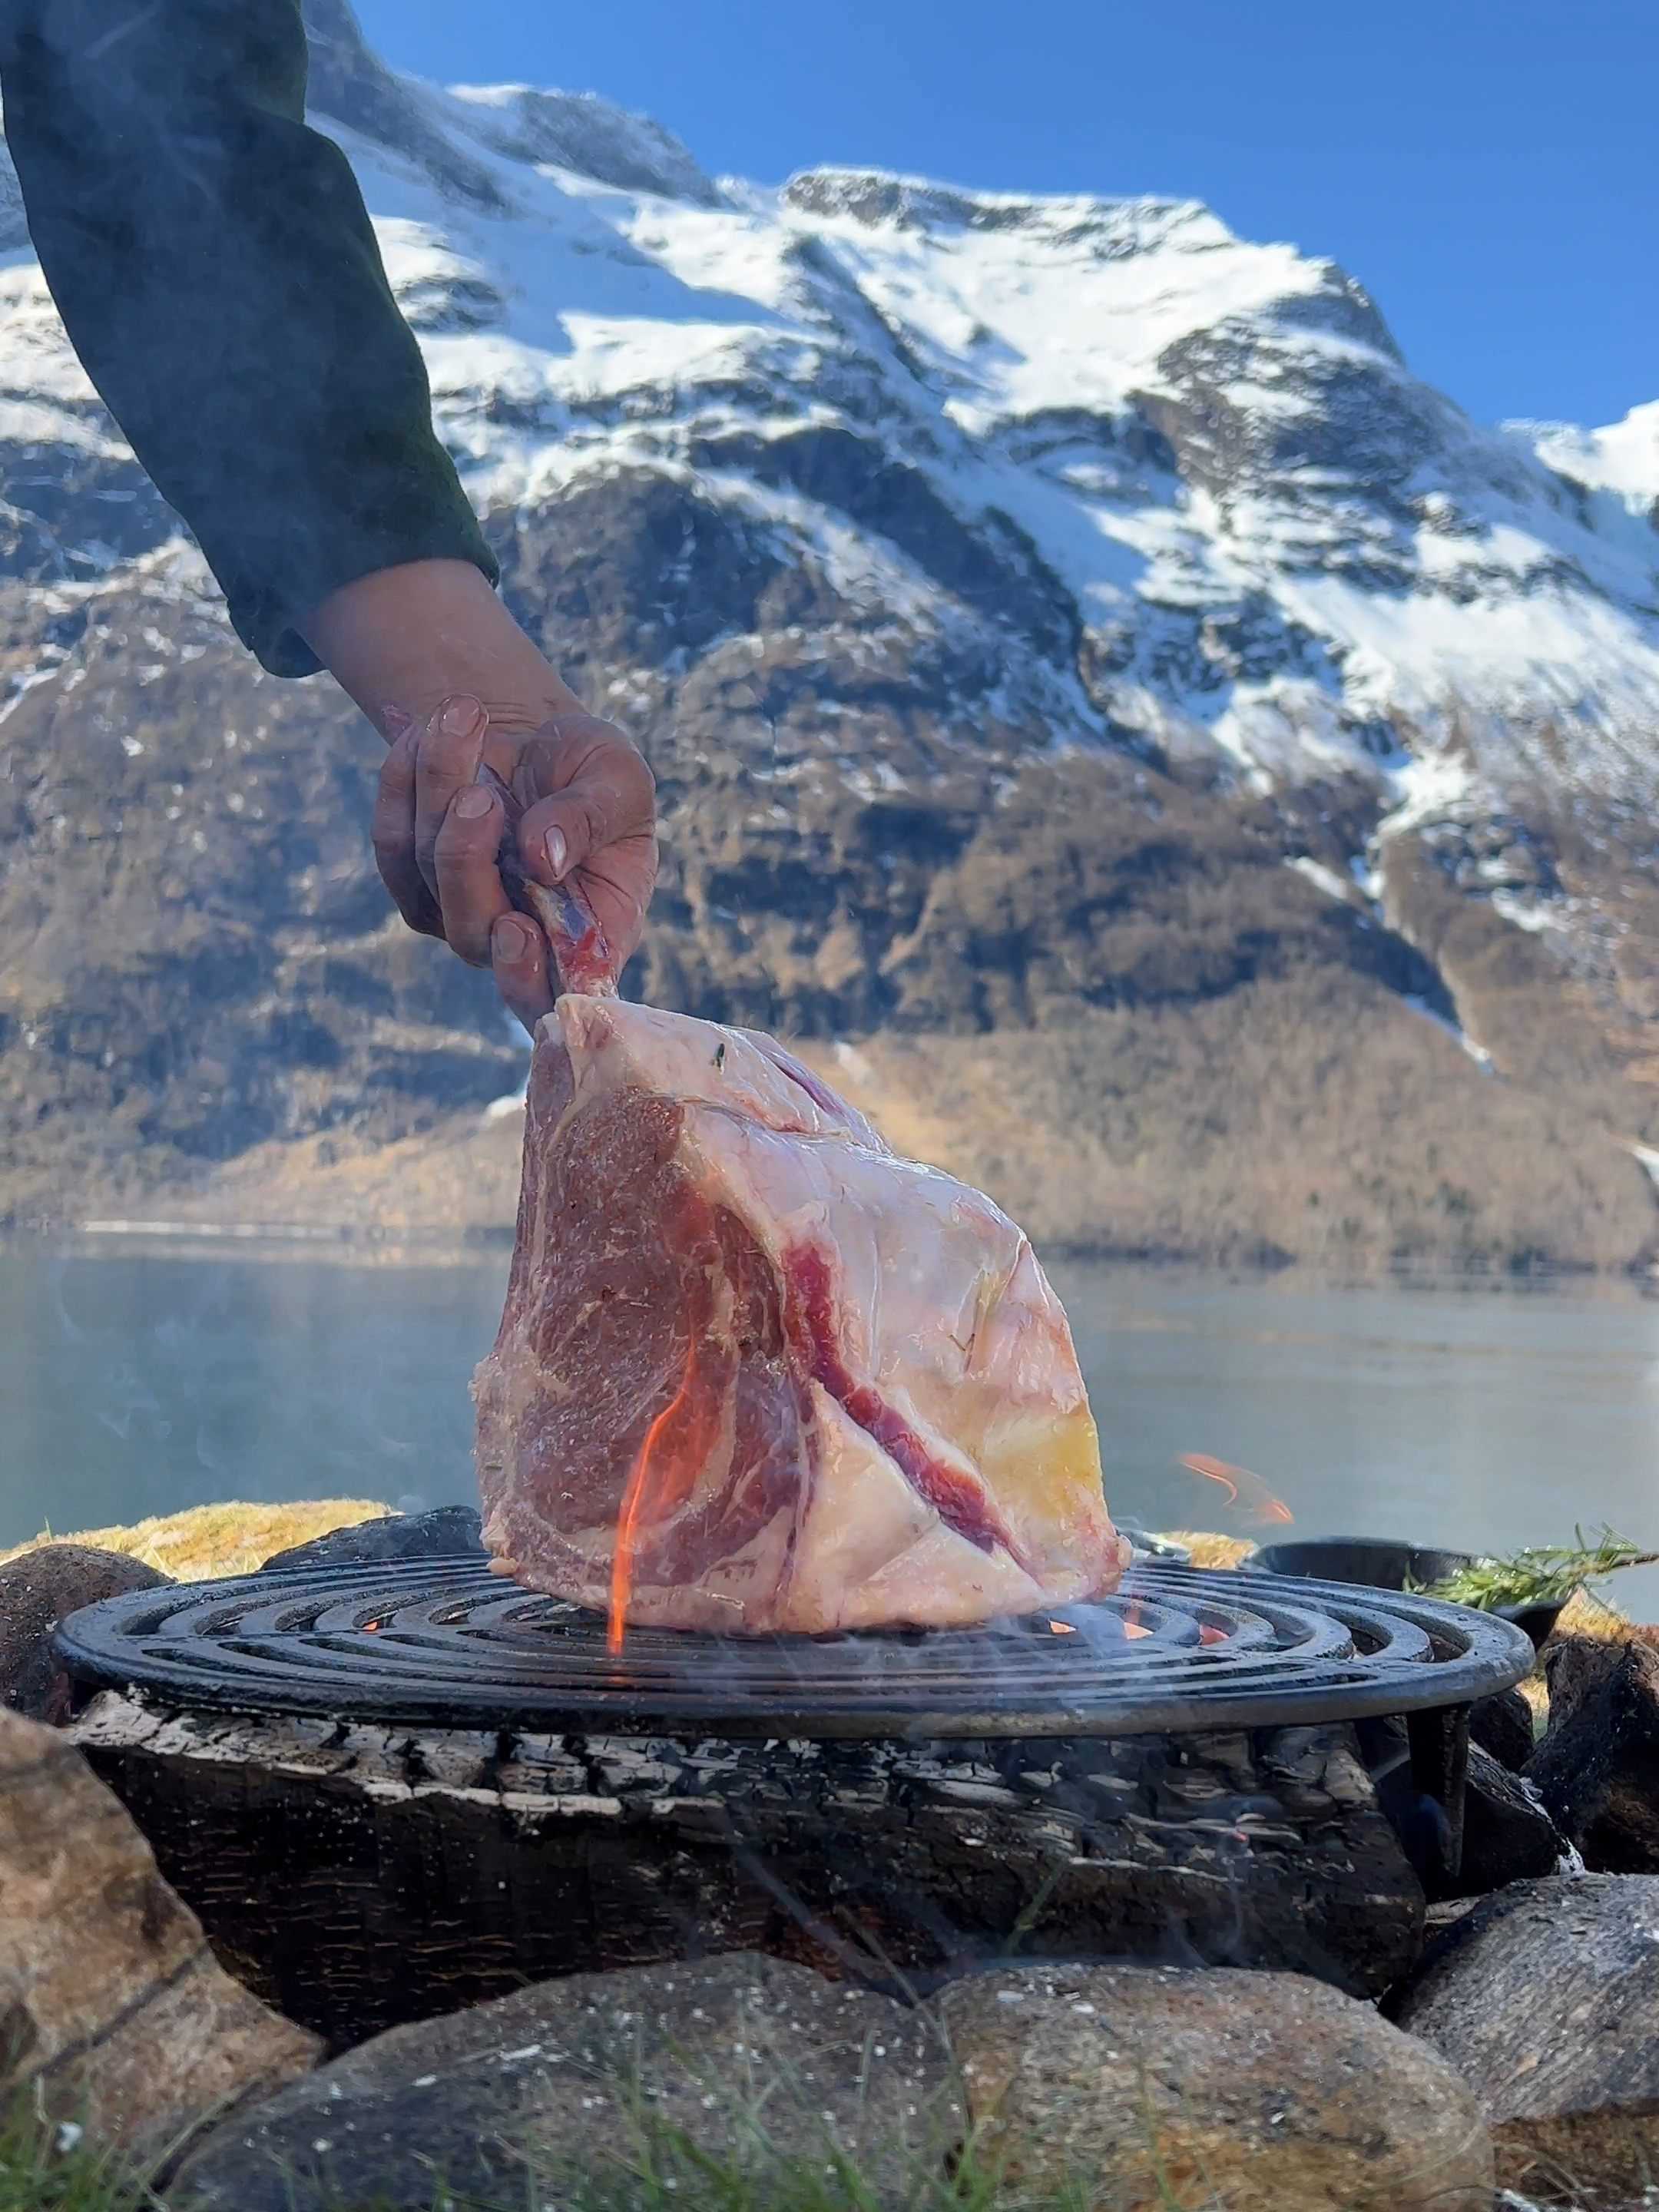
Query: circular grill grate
point(443, 1643)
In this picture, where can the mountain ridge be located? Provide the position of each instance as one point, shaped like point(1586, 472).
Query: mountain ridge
point(1049, 618)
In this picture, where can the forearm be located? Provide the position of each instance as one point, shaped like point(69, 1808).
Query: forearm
point(221, 281)
point(409, 637)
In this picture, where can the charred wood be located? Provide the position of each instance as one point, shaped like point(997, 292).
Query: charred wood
point(360, 1878)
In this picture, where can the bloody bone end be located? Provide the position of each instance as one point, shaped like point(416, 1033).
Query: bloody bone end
point(569, 923)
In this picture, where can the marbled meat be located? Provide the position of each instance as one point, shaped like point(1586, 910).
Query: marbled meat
point(757, 1373)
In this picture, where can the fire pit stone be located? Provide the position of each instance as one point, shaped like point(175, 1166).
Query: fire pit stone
point(116, 2015)
point(554, 2070)
point(449, 1532)
point(1545, 1998)
point(37, 1590)
point(1265, 2093)
point(1597, 1768)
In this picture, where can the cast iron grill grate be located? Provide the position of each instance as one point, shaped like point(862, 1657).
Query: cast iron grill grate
point(443, 1643)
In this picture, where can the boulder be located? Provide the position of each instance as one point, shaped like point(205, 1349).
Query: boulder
point(1545, 1998)
point(36, 1592)
point(1508, 1835)
point(1597, 1769)
point(451, 1532)
point(111, 2002)
point(549, 2080)
point(1147, 2087)
point(1502, 1725)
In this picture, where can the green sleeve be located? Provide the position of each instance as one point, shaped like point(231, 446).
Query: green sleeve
point(219, 277)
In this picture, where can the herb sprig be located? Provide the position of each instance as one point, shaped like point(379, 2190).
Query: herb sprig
point(1542, 1574)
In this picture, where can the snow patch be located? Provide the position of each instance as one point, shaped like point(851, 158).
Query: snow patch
point(1322, 879)
point(1622, 459)
point(1529, 913)
point(1435, 786)
point(1477, 1053)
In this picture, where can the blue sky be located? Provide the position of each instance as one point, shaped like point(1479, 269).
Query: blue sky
point(1487, 168)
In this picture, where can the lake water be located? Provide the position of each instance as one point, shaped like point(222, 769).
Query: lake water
point(136, 1382)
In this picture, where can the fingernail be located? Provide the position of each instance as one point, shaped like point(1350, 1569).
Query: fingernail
point(557, 852)
point(473, 801)
point(462, 718)
point(509, 938)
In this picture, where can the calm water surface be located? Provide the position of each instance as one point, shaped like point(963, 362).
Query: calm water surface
point(139, 1382)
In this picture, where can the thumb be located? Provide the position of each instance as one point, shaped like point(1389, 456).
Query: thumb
point(607, 796)
point(557, 836)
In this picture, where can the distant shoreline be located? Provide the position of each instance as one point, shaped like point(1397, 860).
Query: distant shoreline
point(369, 1244)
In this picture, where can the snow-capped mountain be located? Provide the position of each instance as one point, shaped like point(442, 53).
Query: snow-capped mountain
point(927, 537)
point(1269, 537)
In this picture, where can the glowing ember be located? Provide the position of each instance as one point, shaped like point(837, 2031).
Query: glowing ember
point(1061, 1628)
point(1135, 1628)
point(1208, 1635)
point(1246, 1491)
point(371, 1627)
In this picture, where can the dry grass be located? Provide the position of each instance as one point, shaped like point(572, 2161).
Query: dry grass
point(209, 1542)
point(1586, 1614)
point(1209, 1550)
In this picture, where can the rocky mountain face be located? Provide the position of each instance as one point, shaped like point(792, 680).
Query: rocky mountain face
point(1161, 756)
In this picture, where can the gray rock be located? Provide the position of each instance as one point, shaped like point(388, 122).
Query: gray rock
point(579, 130)
point(114, 2011)
point(555, 2076)
point(350, 82)
point(451, 1532)
point(1597, 1769)
point(1503, 1725)
point(36, 1592)
point(1545, 1998)
point(1508, 1835)
point(1264, 2092)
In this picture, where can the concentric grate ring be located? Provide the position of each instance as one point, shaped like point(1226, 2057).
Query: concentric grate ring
point(443, 1643)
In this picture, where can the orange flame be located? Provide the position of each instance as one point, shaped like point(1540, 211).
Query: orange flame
point(1244, 1489)
point(661, 1479)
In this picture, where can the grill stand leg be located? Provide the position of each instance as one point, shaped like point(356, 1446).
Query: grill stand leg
point(1421, 1766)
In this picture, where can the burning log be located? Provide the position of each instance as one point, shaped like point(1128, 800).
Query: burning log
point(361, 1877)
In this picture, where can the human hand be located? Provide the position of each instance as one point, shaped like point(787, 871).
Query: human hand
point(465, 803)
point(464, 697)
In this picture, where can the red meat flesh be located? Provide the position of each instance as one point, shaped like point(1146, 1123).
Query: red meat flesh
point(754, 1372)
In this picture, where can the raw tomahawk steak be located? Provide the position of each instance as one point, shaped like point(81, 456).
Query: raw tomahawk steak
point(757, 1373)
